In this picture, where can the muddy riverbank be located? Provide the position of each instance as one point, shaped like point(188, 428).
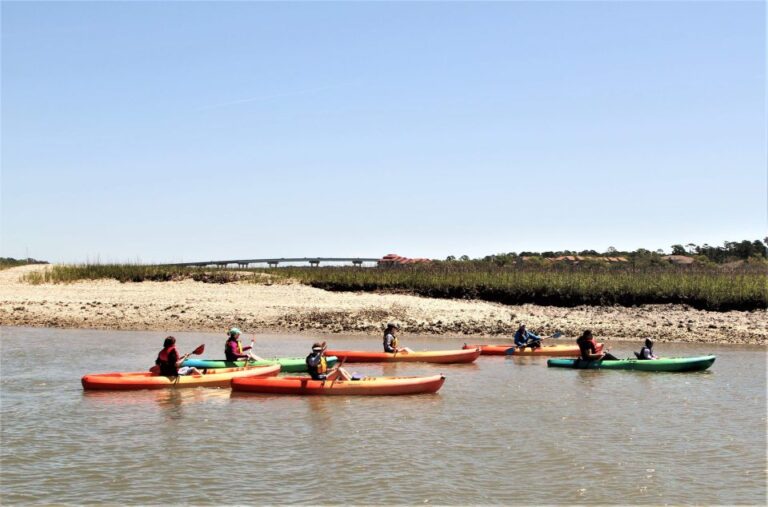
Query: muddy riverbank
point(189, 305)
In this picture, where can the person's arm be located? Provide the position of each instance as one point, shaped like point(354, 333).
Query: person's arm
point(518, 336)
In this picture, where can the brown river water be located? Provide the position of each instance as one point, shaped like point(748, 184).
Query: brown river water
point(504, 430)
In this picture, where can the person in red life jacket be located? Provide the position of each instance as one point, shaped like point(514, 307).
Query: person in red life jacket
point(168, 362)
point(588, 348)
point(234, 350)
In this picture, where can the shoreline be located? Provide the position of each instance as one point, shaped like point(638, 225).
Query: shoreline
point(297, 309)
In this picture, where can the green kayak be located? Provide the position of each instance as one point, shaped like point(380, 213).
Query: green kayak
point(287, 364)
point(698, 363)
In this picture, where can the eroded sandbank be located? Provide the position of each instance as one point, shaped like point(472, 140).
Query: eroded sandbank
point(188, 305)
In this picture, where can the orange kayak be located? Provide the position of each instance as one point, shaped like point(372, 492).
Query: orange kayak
point(432, 356)
point(221, 377)
point(370, 386)
point(511, 350)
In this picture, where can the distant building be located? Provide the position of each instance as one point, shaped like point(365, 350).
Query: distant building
point(679, 259)
point(397, 260)
point(575, 259)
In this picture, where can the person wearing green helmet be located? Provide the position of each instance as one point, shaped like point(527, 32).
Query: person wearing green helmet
point(234, 350)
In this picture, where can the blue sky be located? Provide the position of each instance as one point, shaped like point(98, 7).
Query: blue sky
point(177, 131)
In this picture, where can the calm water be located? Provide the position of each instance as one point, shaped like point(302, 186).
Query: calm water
point(501, 431)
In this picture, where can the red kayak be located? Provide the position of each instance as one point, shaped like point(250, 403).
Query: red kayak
point(371, 386)
point(432, 356)
point(512, 350)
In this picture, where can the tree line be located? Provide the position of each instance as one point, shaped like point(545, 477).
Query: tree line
point(730, 251)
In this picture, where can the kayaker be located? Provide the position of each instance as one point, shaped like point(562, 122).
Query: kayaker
point(588, 348)
point(317, 365)
point(390, 340)
point(524, 338)
point(647, 351)
point(234, 350)
point(168, 362)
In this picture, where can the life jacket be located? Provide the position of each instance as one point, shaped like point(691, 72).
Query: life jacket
point(316, 366)
point(323, 366)
point(393, 344)
point(167, 367)
point(228, 350)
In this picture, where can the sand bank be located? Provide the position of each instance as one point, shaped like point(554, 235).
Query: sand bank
point(189, 305)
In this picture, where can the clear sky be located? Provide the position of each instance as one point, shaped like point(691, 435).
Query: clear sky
point(172, 131)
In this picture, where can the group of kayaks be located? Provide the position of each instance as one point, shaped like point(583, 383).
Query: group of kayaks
point(263, 376)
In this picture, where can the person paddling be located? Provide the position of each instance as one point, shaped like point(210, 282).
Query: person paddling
point(390, 340)
point(317, 365)
point(647, 351)
point(588, 348)
point(234, 350)
point(168, 362)
point(524, 338)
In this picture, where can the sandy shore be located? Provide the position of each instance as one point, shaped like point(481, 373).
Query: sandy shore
point(189, 305)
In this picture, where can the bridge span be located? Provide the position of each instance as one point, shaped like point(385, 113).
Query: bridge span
point(273, 263)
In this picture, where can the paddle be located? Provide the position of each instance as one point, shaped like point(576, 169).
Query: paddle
point(199, 350)
point(248, 357)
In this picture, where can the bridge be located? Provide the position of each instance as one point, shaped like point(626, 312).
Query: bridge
point(244, 263)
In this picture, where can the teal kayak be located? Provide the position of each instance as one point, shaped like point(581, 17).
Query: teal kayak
point(287, 364)
point(698, 363)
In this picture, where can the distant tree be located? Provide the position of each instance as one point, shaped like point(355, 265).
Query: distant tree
point(611, 250)
point(451, 258)
point(464, 258)
point(678, 250)
point(692, 248)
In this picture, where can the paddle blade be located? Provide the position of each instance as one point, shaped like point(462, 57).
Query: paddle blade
point(199, 350)
point(557, 334)
point(510, 351)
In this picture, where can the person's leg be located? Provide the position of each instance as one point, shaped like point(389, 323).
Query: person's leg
point(610, 357)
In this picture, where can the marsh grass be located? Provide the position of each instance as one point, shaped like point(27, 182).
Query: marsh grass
point(709, 288)
point(65, 273)
point(704, 288)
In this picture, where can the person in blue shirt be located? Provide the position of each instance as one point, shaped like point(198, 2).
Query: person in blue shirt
point(524, 338)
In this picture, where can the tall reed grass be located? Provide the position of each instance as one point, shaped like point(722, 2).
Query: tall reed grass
point(63, 273)
point(711, 289)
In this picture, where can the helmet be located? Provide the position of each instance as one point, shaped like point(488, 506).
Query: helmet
point(391, 325)
point(234, 332)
